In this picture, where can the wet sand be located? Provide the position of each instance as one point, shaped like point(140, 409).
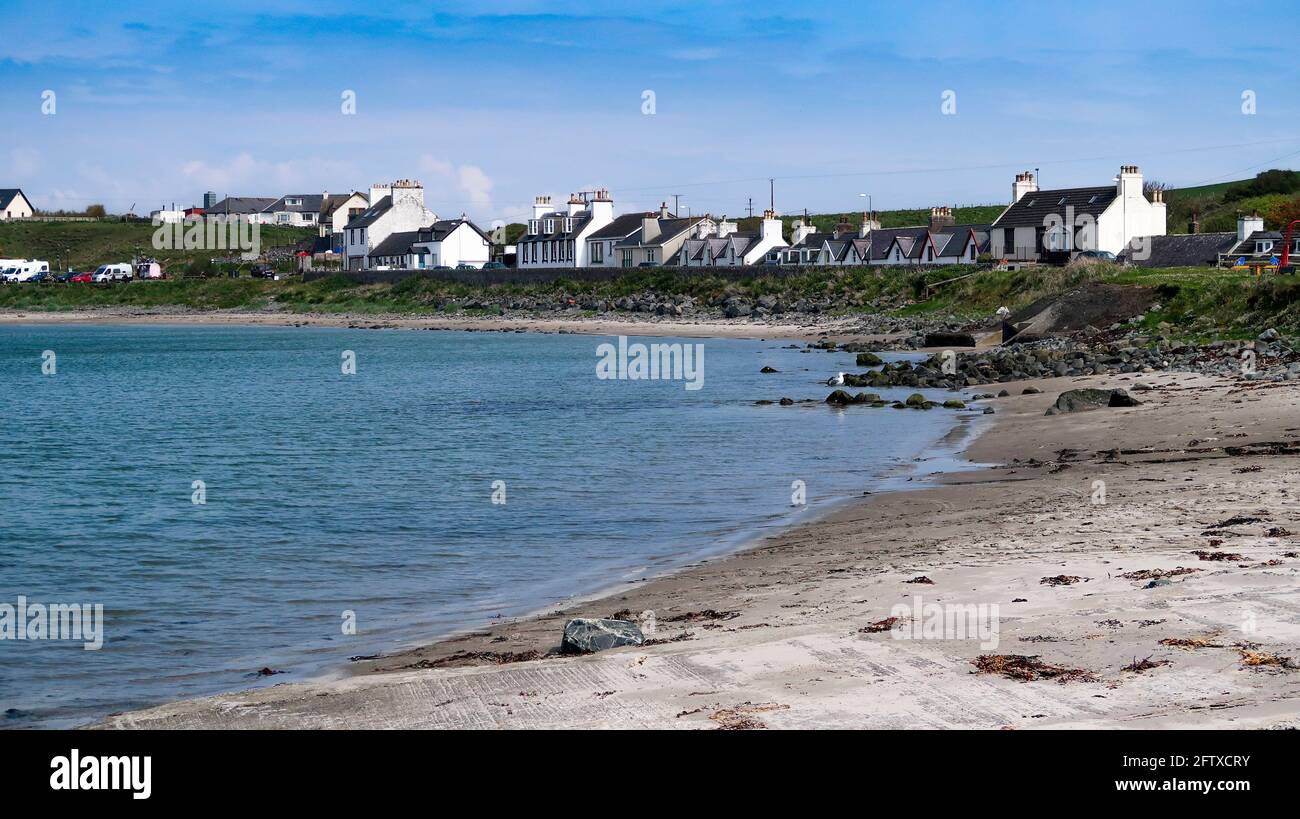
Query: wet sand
point(774, 636)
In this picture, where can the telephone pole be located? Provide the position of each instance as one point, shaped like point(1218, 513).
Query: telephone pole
point(675, 195)
point(750, 207)
point(771, 190)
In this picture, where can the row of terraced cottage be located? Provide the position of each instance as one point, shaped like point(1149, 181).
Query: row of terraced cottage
point(394, 231)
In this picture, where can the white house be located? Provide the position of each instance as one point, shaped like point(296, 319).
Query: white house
point(558, 238)
point(1068, 220)
point(337, 210)
point(294, 210)
point(601, 243)
point(722, 245)
point(450, 243)
point(14, 204)
point(394, 208)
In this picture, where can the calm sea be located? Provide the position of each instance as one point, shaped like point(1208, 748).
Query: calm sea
point(372, 493)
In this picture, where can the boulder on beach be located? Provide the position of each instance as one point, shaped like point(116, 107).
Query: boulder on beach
point(840, 397)
point(916, 400)
point(949, 340)
point(585, 635)
point(1090, 399)
point(869, 360)
point(769, 370)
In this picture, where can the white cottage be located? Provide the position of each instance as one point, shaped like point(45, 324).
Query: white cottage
point(394, 208)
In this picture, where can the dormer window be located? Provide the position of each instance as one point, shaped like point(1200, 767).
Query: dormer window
point(532, 226)
point(1263, 246)
point(293, 202)
point(568, 225)
point(550, 225)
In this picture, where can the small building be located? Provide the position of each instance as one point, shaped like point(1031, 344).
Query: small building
point(295, 210)
point(14, 204)
point(395, 208)
point(1064, 221)
point(558, 238)
point(660, 237)
point(452, 243)
point(252, 208)
point(722, 245)
point(336, 210)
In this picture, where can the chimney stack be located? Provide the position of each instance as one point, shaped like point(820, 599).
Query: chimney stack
point(941, 217)
point(1194, 226)
point(1025, 183)
point(1246, 225)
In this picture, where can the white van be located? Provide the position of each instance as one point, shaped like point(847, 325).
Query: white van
point(9, 267)
point(113, 273)
point(27, 270)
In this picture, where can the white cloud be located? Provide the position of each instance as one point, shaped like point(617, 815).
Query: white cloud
point(472, 186)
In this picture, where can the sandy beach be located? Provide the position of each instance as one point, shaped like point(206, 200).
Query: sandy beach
point(801, 328)
point(1077, 547)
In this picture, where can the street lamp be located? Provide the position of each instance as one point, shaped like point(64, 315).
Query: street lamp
point(870, 209)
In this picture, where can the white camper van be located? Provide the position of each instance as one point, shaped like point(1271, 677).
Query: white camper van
point(113, 273)
point(27, 270)
point(9, 267)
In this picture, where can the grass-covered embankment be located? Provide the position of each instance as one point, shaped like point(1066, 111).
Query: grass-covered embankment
point(1193, 302)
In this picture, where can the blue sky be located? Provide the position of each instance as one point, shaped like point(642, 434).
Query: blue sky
point(490, 104)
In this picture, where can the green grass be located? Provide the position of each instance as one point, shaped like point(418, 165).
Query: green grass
point(1195, 303)
point(84, 245)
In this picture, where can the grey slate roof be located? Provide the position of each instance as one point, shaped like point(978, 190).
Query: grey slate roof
point(8, 195)
point(310, 203)
point(1184, 250)
point(334, 201)
point(1033, 208)
point(668, 228)
point(368, 216)
point(396, 244)
point(242, 205)
point(443, 228)
point(619, 228)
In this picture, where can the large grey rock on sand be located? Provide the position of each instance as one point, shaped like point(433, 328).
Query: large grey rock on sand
point(583, 636)
point(1090, 399)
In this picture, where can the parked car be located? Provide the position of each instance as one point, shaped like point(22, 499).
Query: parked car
point(7, 271)
point(465, 266)
point(83, 278)
point(41, 276)
point(65, 277)
point(1101, 255)
point(263, 271)
point(494, 266)
point(114, 273)
point(648, 264)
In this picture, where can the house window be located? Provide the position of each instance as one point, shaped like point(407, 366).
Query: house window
point(532, 227)
point(282, 218)
point(570, 250)
point(550, 225)
point(650, 254)
point(568, 225)
point(597, 252)
point(627, 258)
point(1263, 247)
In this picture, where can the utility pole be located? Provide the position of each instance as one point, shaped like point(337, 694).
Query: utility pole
point(750, 207)
point(771, 191)
point(675, 195)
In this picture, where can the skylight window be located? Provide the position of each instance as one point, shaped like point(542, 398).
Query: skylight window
point(1061, 201)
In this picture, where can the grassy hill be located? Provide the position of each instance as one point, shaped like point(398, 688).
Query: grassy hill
point(82, 245)
point(1274, 194)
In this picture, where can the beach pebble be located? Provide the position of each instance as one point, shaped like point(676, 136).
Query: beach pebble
point(583, 635)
